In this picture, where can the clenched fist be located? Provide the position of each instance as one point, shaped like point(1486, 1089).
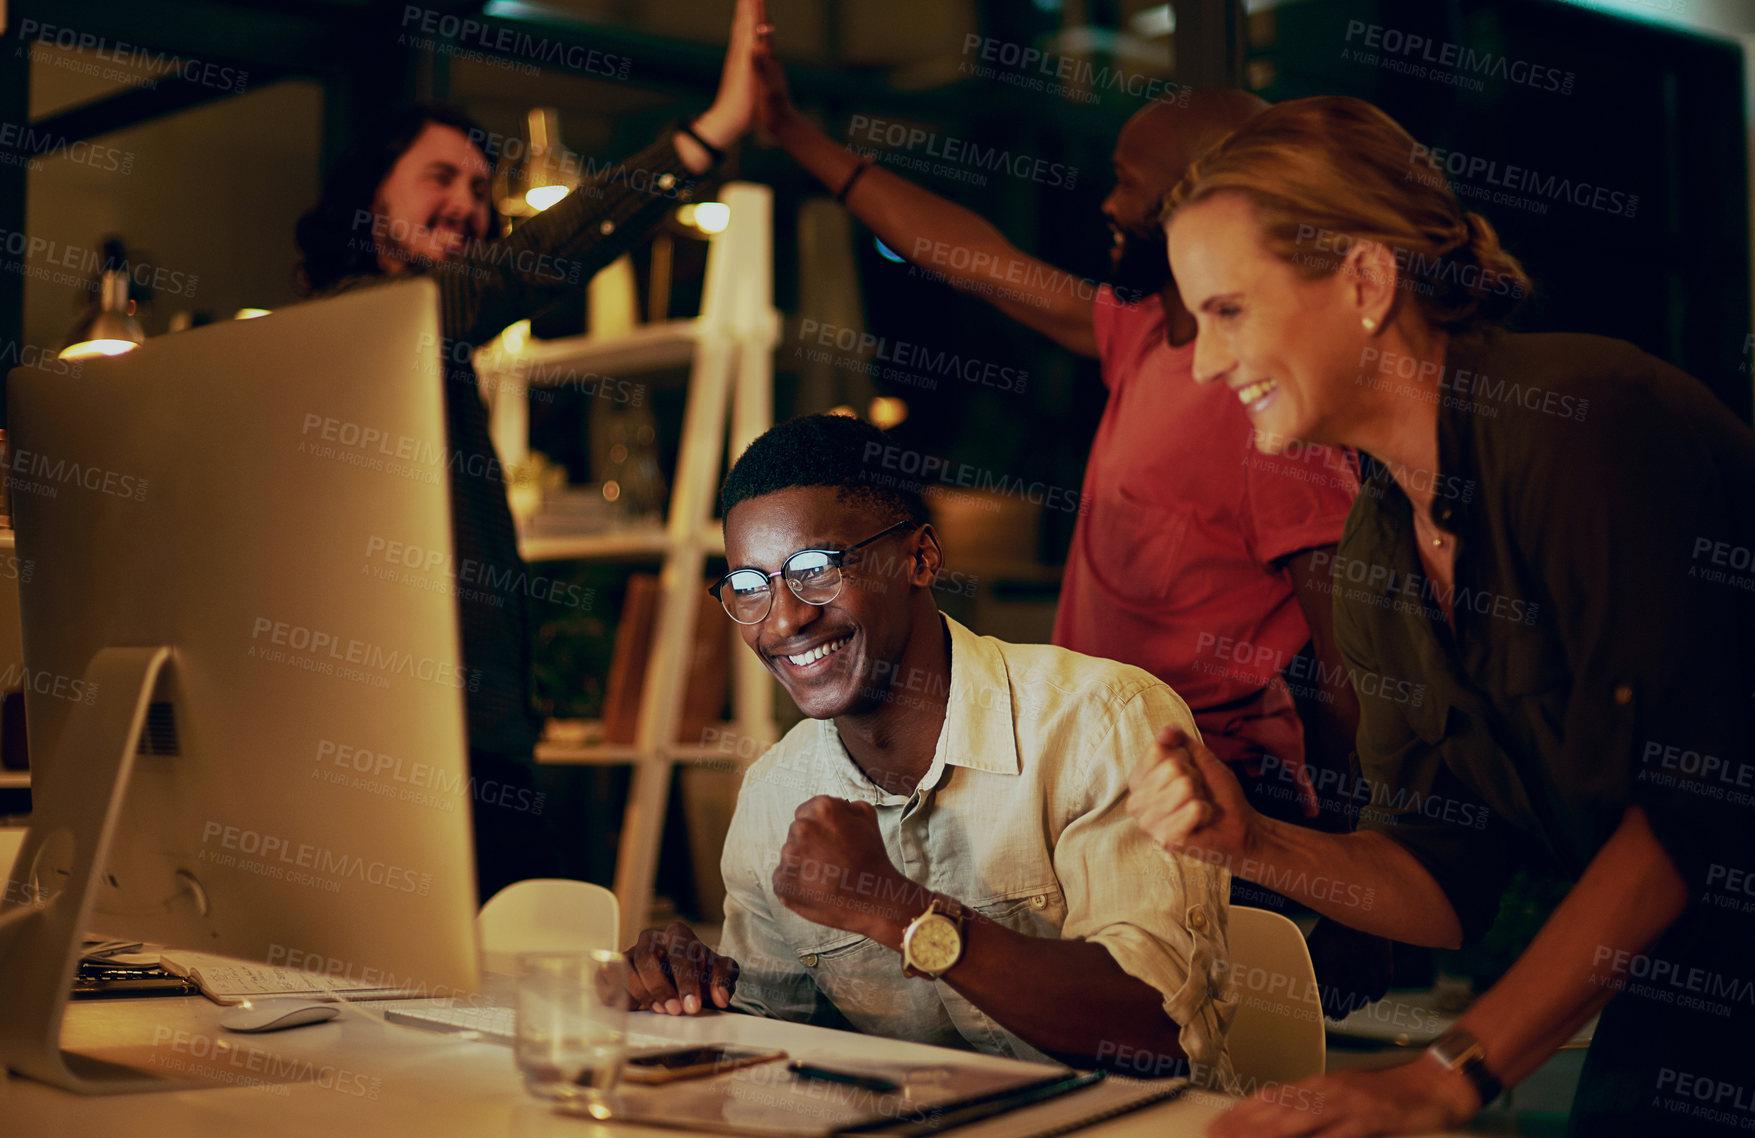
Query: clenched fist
point(1190, 802)
point(835, 871)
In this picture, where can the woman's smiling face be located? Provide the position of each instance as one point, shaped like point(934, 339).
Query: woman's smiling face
point(1289, 347)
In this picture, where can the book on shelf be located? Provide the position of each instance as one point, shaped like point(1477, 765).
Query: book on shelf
point(708, 665)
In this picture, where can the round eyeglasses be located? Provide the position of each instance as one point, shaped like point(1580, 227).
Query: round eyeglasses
point(813, 575)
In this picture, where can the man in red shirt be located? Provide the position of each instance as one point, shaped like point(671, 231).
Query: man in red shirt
point(1198, 558)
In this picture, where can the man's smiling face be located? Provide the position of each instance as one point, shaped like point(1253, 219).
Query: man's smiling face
point(839, 658)
point(433, 202)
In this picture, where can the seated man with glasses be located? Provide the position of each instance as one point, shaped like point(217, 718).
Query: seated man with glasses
point(941, 852)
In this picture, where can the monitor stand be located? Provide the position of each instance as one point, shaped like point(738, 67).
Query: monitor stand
point(48, 902)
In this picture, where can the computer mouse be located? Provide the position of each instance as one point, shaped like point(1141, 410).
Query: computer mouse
point(276, 1015)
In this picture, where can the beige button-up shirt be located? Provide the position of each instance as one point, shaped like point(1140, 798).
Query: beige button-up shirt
point(1021, 816)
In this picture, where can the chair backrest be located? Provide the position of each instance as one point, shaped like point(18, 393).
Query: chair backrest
point(1277, 1034)
point(10, 841)
point(545, 914)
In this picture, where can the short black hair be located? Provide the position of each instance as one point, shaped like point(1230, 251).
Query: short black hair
point(330, 242)
point(825, 450)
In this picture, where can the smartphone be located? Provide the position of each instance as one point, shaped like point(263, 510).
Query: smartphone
point(691, 1061)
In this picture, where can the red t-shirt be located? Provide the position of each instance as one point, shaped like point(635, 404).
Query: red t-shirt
point(1172, 566)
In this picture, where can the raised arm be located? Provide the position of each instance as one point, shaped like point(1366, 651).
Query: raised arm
point(1068, 998)
point(935, 234)
point(1190, 803)
point(1131, 979)
point(557, 252)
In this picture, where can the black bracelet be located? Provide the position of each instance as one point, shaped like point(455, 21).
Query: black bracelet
point(713, 152)
point(864, 165)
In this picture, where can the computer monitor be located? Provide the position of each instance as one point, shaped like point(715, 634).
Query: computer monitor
point(246, 707)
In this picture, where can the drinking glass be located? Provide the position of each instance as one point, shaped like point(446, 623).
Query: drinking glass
point(571, 1027)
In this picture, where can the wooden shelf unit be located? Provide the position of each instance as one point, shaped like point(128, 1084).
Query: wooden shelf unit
point(730, 351)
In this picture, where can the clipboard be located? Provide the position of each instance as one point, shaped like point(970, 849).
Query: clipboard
point(772, 1101)
point(1029, 1101)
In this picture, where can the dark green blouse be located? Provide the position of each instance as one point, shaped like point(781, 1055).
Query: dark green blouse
point(1602, 502)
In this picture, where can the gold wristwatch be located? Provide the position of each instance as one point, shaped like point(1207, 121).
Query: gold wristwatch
point(934, 941)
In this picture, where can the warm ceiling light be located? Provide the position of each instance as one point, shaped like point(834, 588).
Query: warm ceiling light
point(514, 336)
point(712, 217)
point(539, 175)
point(86, 349)
point(703, 218)
point(886, 411)
point(541, 197)
point(111, 330)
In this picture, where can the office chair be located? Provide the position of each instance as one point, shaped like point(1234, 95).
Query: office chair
point(546, 914)
point(1277, 1034)
point(11, 839)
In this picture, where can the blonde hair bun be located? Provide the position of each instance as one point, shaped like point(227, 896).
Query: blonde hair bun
point(1326, 173)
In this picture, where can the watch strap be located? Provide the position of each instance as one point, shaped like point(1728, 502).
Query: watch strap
point(1461, 1052)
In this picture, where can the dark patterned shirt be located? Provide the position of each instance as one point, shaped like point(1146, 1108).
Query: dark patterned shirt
point(493, 284)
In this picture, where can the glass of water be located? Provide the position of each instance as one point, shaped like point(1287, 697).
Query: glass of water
point(572, 1017)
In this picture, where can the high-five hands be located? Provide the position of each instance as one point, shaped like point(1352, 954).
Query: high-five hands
point(774, 107)
point(734, 107)
point(1190, 802)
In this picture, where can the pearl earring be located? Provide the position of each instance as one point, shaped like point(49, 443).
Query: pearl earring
point(1370, 324)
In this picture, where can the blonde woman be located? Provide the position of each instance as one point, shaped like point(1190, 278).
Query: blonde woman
point(1537, 600)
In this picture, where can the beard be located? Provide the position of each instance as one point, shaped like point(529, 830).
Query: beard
point(1143, 268)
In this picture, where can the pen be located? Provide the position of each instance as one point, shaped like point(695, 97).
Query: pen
point(825, 1075)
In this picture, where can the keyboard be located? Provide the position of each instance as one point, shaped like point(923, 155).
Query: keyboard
point(496, 1024)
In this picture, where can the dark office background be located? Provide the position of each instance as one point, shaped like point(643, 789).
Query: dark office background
point(1646, 111)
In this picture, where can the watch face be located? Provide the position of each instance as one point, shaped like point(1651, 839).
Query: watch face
point(935, 945)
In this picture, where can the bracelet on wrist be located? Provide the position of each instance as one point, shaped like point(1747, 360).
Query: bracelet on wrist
point(847, 186)
point(713, 152)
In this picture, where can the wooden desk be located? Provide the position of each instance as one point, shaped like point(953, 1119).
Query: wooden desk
point(357, 1075)
point(360, 1076)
